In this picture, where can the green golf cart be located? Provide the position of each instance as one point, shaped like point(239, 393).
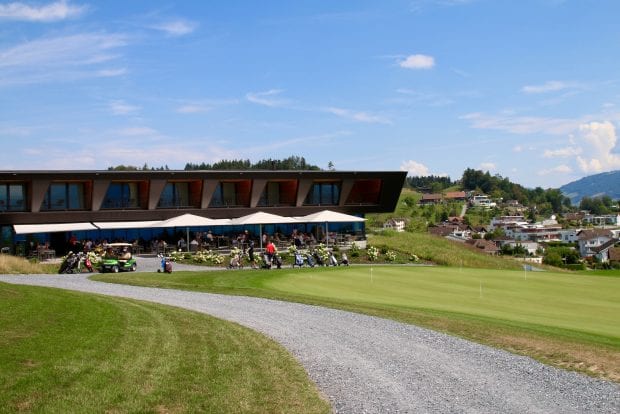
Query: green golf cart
point(118, 257)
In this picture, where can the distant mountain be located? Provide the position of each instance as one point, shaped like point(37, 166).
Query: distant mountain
point(607, 183)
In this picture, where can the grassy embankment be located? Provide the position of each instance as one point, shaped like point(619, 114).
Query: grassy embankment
point(71, 352)
point(18, 265)
point(569, 321)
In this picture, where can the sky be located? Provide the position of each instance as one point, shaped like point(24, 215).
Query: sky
point(528, 89)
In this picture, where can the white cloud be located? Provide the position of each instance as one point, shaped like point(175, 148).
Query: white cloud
point(562, 152)
point(358, 116)
point(59, 10)
point(266, 98)
point(138, 132)
point(599, 142)
point(415, 169)
point(178, 27)
point(417, 62)
point(61, 58)
point(109, 73)
point(560, 169)
point(521, 124)
point(193, 109)
point(550, 86)
point(488, 166)
point(122, 108)
point(517, 148)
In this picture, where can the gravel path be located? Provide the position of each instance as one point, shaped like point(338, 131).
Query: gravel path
point(364, 364)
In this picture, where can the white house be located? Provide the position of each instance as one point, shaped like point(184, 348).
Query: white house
point(591, 240)
point(395, 224)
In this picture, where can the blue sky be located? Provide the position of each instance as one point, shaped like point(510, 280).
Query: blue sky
point(526, 89)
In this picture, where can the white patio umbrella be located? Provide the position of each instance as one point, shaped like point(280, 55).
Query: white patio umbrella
point(261, 218)
point(328, 216)
point(191, 220)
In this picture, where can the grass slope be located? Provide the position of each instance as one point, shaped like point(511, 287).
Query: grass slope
point(565, 320)
point(441, 251)
point(71, 352)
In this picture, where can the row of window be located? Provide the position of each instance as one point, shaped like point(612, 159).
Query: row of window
point(130, 195)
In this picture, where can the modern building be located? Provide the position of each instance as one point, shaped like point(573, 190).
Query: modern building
point(55, 197)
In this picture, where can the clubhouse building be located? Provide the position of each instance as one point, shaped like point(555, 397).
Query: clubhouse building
point(56, 201)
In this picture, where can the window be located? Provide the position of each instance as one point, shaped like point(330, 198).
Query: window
point(234, 193)
point(64, 196)
point(225, 195)
point(121, 195)
point(279, 193)
point(324, 193)
point(12, 197)
point(175, 195)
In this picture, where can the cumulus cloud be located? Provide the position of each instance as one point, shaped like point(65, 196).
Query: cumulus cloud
point(358, 116)
point(417, 62)
point(52, 12)
point(599, 147)
point(415, 169)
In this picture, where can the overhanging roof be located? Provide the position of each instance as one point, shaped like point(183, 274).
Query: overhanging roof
point(120, 225)
point(52, 228)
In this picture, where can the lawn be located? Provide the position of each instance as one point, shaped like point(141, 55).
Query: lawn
point(72, 352)
point(567, 320)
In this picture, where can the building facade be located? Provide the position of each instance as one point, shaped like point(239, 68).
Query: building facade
point(47, 197)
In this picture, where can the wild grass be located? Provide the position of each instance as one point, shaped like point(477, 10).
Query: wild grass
point(65, 352)
point(441, 251)
point(566, 320)
point(19, 265)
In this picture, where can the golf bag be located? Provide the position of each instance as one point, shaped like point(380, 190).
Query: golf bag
point(70, 263)
point(344, 260)
point(332, 260)
point(299, 260)
point(267, 260)
point(277, 260)
point(319, 259)
point(166, 264)
point(85, 261)
point(310, 260)
point(235, 262)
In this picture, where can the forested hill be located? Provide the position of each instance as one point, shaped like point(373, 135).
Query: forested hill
point(607, 183)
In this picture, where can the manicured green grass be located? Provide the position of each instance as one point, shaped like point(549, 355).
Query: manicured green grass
point(65, 352)
point(564, 319)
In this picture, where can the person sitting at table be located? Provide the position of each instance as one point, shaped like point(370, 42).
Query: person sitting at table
point(210, 238)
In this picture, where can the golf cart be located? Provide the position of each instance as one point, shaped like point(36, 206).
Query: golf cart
point(118, 257)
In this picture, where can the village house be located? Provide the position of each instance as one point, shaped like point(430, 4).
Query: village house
point(429, 199)
point(602, 220)
point(396, 224)
point(591, 240)
point(486, 246)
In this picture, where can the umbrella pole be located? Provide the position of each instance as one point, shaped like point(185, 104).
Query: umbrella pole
point(260, 236)
point(326, 235)
point(187, 244)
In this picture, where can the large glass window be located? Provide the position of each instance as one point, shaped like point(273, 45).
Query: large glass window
point(121, 195)
point(324, 193)
point(12, 197)
point(231, 194)
point(174, 195)
point(64, 196)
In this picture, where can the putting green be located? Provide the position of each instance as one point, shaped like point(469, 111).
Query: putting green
point(586, 304)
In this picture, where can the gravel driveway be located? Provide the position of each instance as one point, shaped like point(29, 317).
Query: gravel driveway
point(365, 364)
